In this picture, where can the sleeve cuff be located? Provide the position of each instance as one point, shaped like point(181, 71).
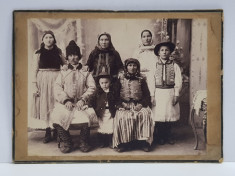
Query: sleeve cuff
point(84, 99)
point(65, 101)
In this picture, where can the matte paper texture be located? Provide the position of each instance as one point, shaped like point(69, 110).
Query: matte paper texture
point(198, 39)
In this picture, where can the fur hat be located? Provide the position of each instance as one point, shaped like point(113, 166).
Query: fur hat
point(49, 32)
point(72, 48)
point(165, 43)
point(103, 75)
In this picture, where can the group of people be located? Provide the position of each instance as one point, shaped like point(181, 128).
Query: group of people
point(136, 102)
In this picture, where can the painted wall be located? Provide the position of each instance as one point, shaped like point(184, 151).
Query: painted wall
point(126, 38)
point(198, 70)
point(125, 34)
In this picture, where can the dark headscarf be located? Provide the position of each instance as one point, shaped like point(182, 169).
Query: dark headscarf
point(129, 75)
point(42, 46)
point(115, 63)
point(51, 33)
point(110, 47)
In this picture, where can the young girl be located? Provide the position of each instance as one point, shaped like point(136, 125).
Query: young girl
point(46, 66)
point(104, 104)
point(165, 85)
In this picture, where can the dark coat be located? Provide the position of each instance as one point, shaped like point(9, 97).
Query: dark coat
point(114, 61)
point(99, 99)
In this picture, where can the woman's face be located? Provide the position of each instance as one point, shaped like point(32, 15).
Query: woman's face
point(146, 38)
point(73, 59)
point(164, 52)
point(48, 40)
point(104, 41)
point(132, 68)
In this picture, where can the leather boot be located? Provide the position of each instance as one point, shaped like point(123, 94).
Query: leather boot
point(161, 133)
point(84, 139)
point(47, 137)
point(110, 140)
point(121, 148)
point(146, 146)
point(55, 135)
point(102, 140)
point(169, 136)
point(65, 143)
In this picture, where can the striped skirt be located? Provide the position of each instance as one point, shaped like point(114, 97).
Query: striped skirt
point(131, 125)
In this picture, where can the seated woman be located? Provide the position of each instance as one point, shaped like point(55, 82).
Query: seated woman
point(133, 120)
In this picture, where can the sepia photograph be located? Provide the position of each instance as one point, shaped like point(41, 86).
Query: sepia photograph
point(117, 86)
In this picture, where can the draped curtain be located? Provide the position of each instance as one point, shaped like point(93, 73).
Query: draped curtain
point(125, 35)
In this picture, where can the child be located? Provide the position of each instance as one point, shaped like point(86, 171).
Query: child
point(104, 104)
point(165, 85)
point(73, 88)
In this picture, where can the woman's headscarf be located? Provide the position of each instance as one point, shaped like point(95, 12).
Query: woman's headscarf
point(51, 33)
point(42, 46)
point(142, 47)
point(110, 47)
point(129, 75)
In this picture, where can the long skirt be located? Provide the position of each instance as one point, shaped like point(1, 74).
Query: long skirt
point(43, 104)
point(164, 111)
point(131, 125)
point(106, 123)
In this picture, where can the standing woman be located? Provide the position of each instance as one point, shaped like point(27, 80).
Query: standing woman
point(145, 53)
point(165, 84)
point(133, 120)
point(104, 58)
point(46, 66)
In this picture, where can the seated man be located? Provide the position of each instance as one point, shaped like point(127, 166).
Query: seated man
point(73, 87)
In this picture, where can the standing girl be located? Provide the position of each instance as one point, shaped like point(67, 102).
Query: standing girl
point(165, 85)
point(46, 66)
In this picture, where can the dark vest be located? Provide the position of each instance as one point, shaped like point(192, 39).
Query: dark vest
point(169, 74)
point(130, 89)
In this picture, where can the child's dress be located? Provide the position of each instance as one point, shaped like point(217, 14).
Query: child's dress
point(104, 104)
